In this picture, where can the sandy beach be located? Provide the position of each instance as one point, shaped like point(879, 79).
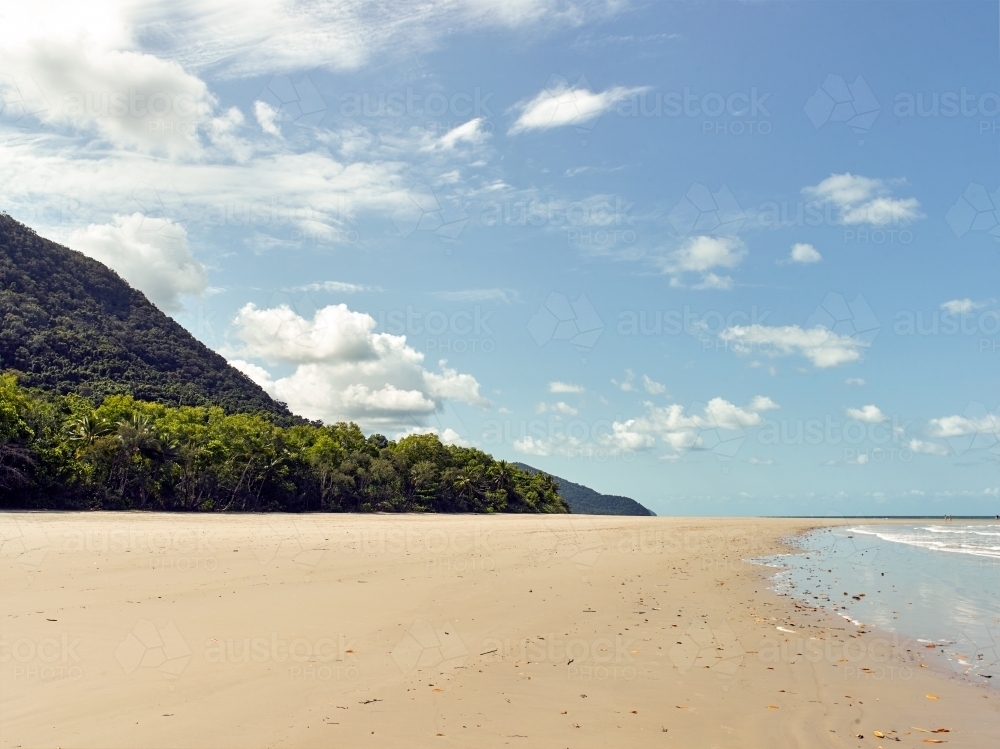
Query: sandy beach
point(151, 630)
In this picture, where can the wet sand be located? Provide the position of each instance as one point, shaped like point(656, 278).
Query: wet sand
point(152, 630)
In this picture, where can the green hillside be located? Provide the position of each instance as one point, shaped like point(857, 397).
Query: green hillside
point(584, 500)
point(69, 324)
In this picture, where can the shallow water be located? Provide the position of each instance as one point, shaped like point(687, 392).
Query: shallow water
point(936, 582)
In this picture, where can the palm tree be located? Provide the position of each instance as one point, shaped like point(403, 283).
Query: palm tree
point(502, 474)
point(136, 434)
point(88, 429)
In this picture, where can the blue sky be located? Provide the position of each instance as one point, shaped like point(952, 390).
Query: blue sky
point(725, 258)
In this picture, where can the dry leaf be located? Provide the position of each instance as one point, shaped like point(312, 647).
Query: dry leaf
point(772, 707)
point(932, 696)
point(935, 741)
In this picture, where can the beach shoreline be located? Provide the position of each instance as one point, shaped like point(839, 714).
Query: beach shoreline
point(153, 630)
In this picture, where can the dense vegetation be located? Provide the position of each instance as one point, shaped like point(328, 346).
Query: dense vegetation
point(62, 452)
point(71, 325)
point(584, 500)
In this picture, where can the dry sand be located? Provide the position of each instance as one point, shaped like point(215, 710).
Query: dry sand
point(149, 630)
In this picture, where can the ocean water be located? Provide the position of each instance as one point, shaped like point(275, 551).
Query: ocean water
point(935, 582)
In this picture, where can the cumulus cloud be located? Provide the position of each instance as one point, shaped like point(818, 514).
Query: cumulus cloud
point(95, 78)
point(681, 430)
point(702, 254)
point(560, 104)
point(804, 253)
point(267, 117)
point(961, 426)
point(962, 306)
point(343, 370)
point(565, 387)
point(652, 386)
point(152, 254)
point(869, 414)
point(448, 436)
point(673, 426)
point(820, 345)
point(627, 384)
point(864, 200)
point(558, 407)
point(930, 448)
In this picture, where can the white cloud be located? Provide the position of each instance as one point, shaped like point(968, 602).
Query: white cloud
point(343, 370)
point(448, 436)
point(222, 133)
point(864, 200)
point(961, 426)
point(714, 281)
point(962, 306)
point(804, 253)
point(859, 381)
point(930, 448)
point(470, 132)
point(869, 414)
point(652, 386)
point(560, 104)
point(565, 387)
point(529, 445)
point(93, 76)
point(319, 194)
point(266, 37)
point(152, 254)
point(339, 287)
point(820, 345)
point(684, 431)
point(762, 403)
point(267, 117)
point(670, 425)
point(700, 255)
point(627, 384)
point(559, 407)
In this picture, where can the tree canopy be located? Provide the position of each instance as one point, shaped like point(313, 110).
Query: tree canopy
point(61, 451)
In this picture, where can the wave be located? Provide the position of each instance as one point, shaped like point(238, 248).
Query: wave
point(971, 540)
